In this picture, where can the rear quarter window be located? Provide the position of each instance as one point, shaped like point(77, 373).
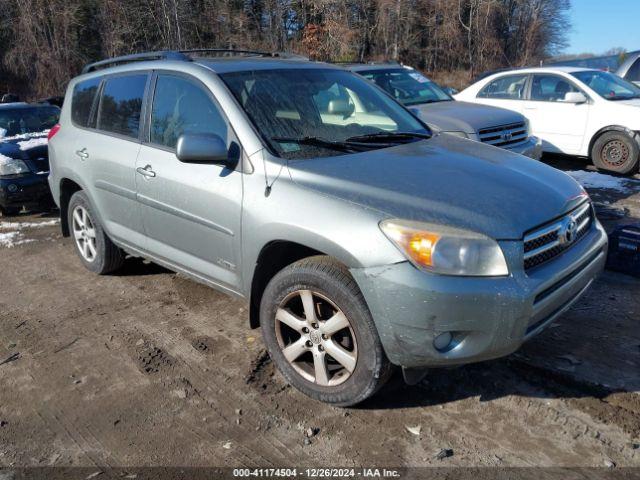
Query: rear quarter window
point(121, 104)
point(84, 94)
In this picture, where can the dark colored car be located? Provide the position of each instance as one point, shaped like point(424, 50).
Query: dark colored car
point(24, 160)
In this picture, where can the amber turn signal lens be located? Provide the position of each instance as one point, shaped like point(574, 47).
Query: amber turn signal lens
point(421, 245)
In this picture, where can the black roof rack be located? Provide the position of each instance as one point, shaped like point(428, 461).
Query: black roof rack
point(184, 56)
point(136, 57)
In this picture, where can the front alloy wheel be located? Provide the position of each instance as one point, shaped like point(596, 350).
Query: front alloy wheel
point(320, 333)
point(316, 338)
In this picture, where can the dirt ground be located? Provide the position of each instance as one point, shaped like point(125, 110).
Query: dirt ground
point(146, 367)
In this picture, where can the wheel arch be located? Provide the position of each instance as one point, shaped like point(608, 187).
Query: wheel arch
point(67, 188)
point(273, 257)
point(612, 128)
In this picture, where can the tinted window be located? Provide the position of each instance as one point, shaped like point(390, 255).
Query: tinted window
point(84, 94)
point(180, 106)
point(550, 88)
point(508, 88)
point(121, 104)
point(407, 86)
point(21, 120)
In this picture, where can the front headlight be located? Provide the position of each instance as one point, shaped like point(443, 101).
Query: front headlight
point(458, 134)
point(12, 166)
point(446, 250)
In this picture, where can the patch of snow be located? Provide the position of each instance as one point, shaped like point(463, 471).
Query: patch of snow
point(9, 239)
point(25, 136)
point(32, 143)
point(20, 225)
point(601, 180)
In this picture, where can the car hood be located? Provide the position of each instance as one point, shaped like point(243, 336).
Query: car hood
point(455, 116)
point(31, 148)
point(447, 181)
point(634, 102)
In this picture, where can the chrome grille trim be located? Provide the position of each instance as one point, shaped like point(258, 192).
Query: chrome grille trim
point(546, 243)
point(504, 135)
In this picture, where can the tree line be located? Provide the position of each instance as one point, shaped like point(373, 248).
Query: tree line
point(43, 43)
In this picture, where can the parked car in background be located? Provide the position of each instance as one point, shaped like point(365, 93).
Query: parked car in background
point(24, 164)
point(630, 68)
point(573, 110)
point(359, 239)
point(490, 125)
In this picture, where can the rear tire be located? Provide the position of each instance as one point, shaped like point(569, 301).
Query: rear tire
point(95, 249)
point(327, 346)
point(616, 151)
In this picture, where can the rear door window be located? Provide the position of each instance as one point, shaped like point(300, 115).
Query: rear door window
point(121, 105)
point(511, 87)
point(84, 94)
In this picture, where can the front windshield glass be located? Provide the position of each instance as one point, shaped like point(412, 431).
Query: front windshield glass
point(23, 120)
point(407, 85)
point(305, 113)
point(608, 85)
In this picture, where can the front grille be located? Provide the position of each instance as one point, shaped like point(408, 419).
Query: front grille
point(549, 241)
point(504, 135)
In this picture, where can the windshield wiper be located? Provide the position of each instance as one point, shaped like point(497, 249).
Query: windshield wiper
point(345, 146)
point(392, 136)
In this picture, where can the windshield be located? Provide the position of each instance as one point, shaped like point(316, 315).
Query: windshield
point(407, 85)
point(22, 120)
point(305, 113)
point(608, 85)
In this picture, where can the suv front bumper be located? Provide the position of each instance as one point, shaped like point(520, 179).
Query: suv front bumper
point(532, 148)
point(28, 190)
point(487, 317)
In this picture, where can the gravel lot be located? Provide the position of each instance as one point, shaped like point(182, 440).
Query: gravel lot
point(148, 368)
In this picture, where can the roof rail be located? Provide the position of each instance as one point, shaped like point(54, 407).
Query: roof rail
point(184, 55)
point(250, 53)
point(136, 57)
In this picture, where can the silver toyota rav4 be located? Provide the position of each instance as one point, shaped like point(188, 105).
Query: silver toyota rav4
point(360, 239)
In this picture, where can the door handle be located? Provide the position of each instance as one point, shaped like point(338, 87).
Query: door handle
point(146, 171)
point(83, 154)
point(530, 107)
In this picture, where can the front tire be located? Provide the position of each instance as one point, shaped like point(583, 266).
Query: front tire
point(95, 249)
point(616, 151)
point(320, 334)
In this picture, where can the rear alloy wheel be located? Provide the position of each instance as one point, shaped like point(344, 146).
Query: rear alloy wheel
point(84, 233)
point(320, 334)
point(616, 151)
point(95, 249)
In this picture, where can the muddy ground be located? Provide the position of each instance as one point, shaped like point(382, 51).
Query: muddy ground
point(146, 367)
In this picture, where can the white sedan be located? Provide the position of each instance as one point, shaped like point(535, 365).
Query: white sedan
point(575, 111)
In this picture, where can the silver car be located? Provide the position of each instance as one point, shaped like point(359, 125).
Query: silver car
point(491, 125)
point(360, 239)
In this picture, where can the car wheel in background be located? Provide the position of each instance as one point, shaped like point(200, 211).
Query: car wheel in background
point(96, 251)
point(320, 334)
point(616, 151)
point(10, 211)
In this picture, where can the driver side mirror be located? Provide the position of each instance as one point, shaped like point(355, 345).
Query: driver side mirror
point(202, 148)
point(575, 97)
